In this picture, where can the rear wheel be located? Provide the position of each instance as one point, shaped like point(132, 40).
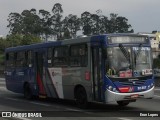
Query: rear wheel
point(123, 103)
point(27, 92)
point(81, 97)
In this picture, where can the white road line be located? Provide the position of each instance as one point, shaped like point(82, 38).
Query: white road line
point(2, 87)
point(124, 119)
point(22, 118)
point(13, 99)
point(70, 109)
point(157, 96)
point(29, 102)
point(40, 104)
point(157, 89)
point(76, 110)
point(2, 81)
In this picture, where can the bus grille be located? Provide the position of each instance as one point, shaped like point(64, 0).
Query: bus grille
point(133, 83)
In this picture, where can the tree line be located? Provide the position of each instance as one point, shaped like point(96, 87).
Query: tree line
point(45, 24)
point(32, 26)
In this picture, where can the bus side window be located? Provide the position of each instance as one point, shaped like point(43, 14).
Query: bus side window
point(49, 56)
point(83, 55)
point(29, 58)
point(78, 55)
point(10, 59)
point(20, 59)
point(60, 56)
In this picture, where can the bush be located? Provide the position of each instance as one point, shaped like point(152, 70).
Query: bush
point(1, 59)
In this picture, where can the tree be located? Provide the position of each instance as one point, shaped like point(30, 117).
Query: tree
point(118, 24)
point(122, 25)
point(56, 20)
point(31, 22)
point(112, 23)
point(72, 24)
point(46, 23)
point(86, 23)
point(95, 24)
point(15, 23)
point(104, 24)
point(30, 39)
point(66, 34)
point(14, 40)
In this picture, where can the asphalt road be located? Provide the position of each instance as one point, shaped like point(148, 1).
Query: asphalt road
point(63, 109)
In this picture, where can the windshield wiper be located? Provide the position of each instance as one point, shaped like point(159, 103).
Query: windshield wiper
point(125, 52)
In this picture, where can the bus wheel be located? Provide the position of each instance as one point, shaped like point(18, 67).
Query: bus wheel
point(123, 103)
point(81, 97)
point(27, 92)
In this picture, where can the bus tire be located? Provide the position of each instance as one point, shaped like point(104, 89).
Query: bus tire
point(123, 103)
point(81, 98)
point(27, 92)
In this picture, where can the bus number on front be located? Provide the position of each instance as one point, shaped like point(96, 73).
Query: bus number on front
point(142, 88)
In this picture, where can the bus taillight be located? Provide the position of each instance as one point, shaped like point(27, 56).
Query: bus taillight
point(87, 75)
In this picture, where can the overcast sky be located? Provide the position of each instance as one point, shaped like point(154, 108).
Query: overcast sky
point(143, 15)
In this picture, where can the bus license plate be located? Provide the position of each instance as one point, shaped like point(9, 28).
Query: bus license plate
point(135, 96)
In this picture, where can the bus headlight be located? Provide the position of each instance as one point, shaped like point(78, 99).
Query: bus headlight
point(152, 85)
point(115, 90)
point(110, 88)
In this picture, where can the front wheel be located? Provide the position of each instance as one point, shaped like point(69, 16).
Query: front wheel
point(123, 103)
point(81, 97)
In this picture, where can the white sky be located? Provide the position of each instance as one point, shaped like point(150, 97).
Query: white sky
point(143, 15)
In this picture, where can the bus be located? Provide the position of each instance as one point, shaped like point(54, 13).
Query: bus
point(100, 68)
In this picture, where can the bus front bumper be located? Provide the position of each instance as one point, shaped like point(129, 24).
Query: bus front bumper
point(114, 96)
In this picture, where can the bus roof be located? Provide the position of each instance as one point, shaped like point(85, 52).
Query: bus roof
point(94, 38)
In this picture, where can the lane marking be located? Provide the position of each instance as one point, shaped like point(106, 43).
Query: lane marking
point(22, 118)
point(157, 89)
point(29, 102)
point(157, 96)
point(12, 99)
point(77, 110)
point(40, 104)
point(124, 119)
point(2, 82)
point(2, 87)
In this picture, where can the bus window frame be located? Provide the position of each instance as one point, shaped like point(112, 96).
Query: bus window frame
point(9, 60)
point(79, 58)
point(64, 57)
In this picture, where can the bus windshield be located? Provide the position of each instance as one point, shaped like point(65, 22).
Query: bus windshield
point(128, 61)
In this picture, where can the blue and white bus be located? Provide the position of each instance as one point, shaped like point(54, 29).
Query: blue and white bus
point(101, 68)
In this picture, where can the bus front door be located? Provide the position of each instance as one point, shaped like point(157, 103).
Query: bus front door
point(39, 72)
point(97, 73)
